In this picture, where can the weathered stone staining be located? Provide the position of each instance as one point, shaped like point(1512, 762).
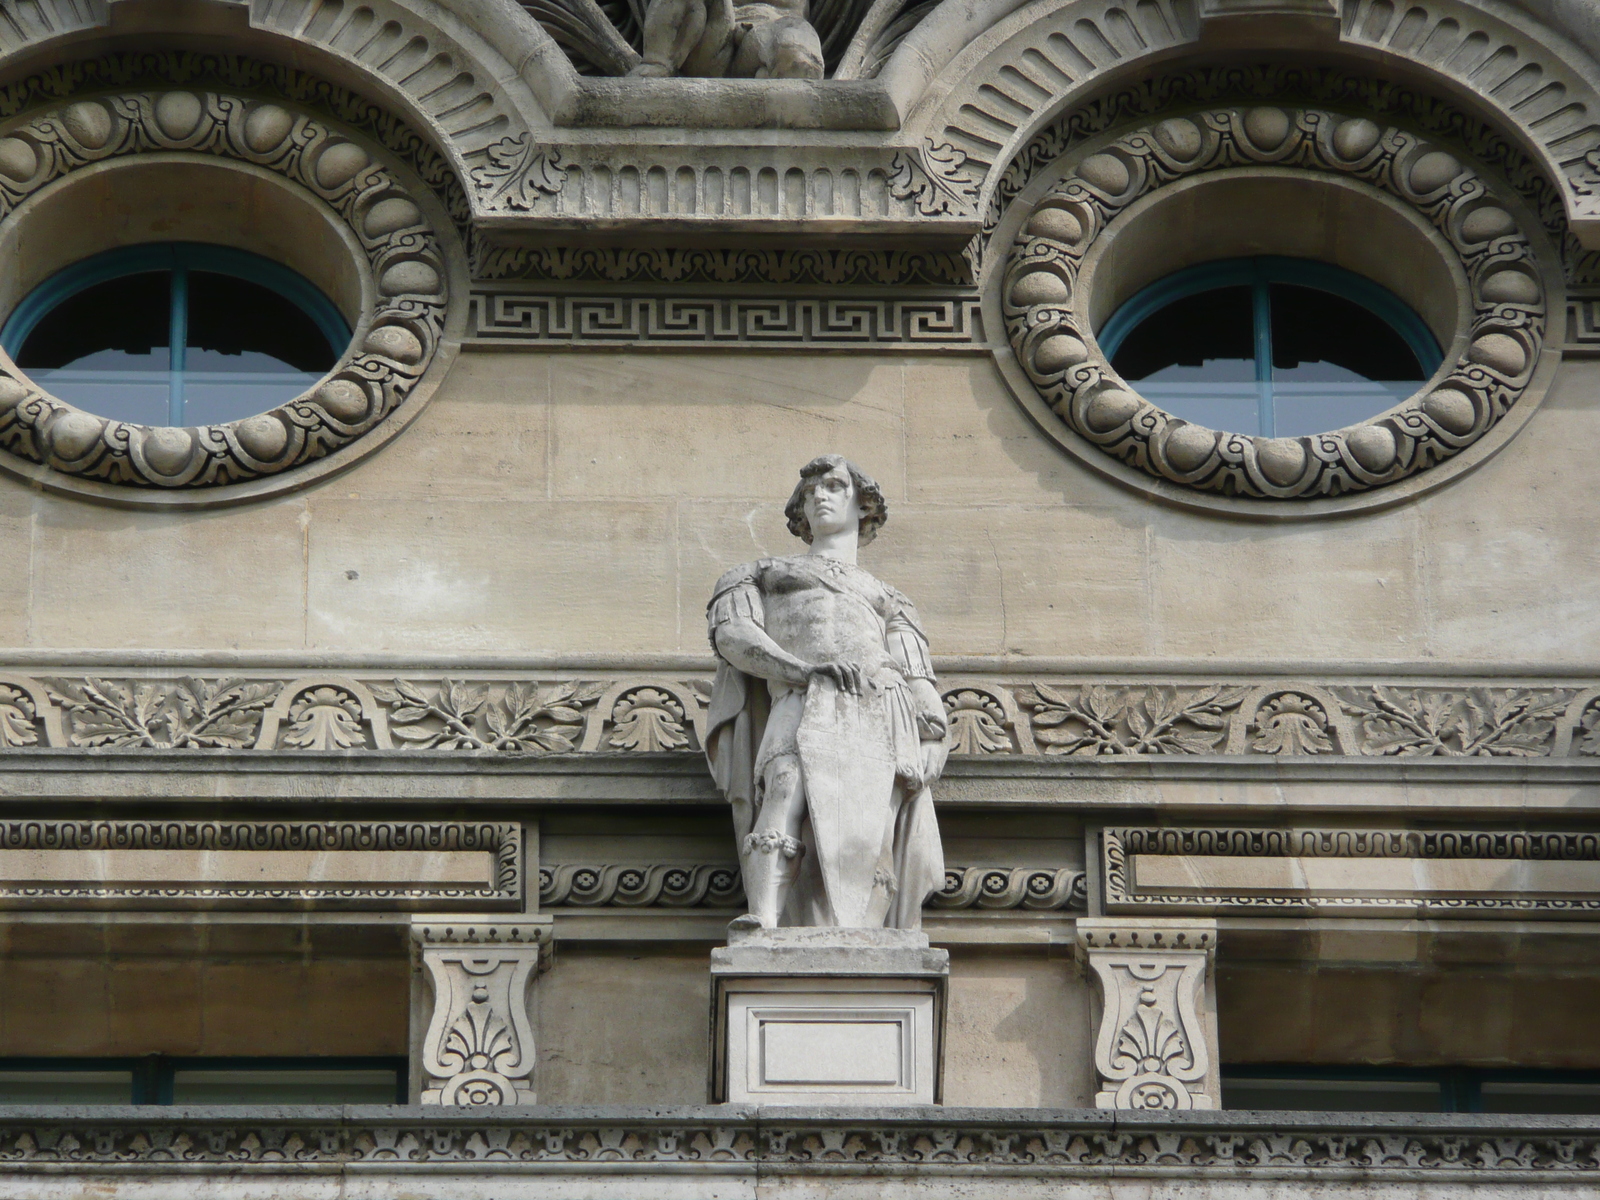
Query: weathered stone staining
point(378, 731)
point(830, 772)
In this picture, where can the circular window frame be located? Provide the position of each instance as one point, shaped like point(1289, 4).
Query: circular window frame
point(394, 292)
point(1415, 445)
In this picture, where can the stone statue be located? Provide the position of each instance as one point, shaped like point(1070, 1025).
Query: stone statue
point(715, 39)
point(826, 730)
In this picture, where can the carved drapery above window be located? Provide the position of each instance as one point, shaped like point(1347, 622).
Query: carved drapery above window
point(1064, 227)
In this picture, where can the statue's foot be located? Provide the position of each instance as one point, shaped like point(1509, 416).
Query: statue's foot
point(650, 70)
point(746, 924)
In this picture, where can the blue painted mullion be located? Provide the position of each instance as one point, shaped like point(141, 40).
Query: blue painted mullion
point(1261, 293)
point(177, 341)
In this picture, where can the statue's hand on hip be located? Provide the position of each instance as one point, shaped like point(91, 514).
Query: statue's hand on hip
point(847, 676)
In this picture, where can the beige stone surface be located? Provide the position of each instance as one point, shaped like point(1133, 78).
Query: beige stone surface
point(690, 425)
point(586, 502)
point(485, 435)
point(491, 575)
point(16, 565)
point(619, 1028)
point(1018, 1033)
point(106, 577)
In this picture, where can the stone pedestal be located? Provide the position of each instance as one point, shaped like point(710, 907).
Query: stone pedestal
point(827, 1016)
point(1155, 1041)
point(469, 1004)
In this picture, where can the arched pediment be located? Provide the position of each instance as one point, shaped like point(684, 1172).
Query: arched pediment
point(989, 97)
point(478, 79)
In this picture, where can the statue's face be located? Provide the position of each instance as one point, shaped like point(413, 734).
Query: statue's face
point(831, 504)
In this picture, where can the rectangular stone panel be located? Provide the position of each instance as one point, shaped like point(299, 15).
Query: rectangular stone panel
point(863, 1049)
point(1314, 877)
point(246, 866)
point(403, 866)
point(1480, 872)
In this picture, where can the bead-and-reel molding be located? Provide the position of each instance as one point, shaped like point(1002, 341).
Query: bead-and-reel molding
point(1050, 331)
point(399, 334)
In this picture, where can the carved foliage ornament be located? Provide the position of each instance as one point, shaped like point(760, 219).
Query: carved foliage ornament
point(396, 340)
point(1062, 360)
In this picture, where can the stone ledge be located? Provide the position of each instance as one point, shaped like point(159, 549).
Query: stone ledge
point(703, 1140)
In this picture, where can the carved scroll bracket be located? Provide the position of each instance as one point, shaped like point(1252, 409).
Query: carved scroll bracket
point(1156, 1023)
point(471, 980)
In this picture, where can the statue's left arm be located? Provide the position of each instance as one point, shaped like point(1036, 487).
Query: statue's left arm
point(908, 646)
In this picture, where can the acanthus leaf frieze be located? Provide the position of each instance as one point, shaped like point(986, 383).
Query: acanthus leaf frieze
point(623, 714)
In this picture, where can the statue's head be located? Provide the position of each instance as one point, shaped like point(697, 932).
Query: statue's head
point(842, 483)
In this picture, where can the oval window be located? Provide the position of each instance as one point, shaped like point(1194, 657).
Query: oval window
point(176, 334)
point(1274, 347)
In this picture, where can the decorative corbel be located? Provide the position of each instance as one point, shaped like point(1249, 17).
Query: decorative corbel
point(478, 1048)
point(1155, 1044)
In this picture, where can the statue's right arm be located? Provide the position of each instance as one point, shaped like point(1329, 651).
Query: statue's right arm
point(736, 625)
point(745, 644)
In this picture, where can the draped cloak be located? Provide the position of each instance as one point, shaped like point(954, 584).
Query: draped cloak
point(872, 850)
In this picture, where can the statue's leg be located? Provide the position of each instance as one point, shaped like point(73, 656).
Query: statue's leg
point(771, 853)
point(672, 31)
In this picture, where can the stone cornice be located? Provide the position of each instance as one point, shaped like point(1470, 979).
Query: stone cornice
point(932, 1143)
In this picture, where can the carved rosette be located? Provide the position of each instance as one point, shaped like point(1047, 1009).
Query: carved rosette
point(1155, 1045)
point(397, 338)
point(478, 1049)
point(1058, 353)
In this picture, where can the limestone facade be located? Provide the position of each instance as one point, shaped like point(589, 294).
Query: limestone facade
point(372, 727)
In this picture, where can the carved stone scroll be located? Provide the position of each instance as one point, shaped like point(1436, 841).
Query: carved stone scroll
point(1156, 1036)
point(478, 1048)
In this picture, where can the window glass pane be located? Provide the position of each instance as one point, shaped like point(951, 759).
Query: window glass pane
point(1333, 1095)
point(66, 1087)
point(234, 1085)
point(1195, 358)
point(249, 350)
point(105, 349)
point(1508, 1097)
point(1334, 362)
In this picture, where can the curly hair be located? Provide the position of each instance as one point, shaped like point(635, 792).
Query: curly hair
point(874, 510)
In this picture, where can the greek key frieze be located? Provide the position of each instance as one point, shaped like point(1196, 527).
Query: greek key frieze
point(1583, 325)
point(758, 322)
point(665, 714)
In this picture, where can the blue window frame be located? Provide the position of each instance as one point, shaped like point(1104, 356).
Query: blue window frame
point(1410, 1089)
point(184, 379)
point(1270, 346)
point(160, 1079)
